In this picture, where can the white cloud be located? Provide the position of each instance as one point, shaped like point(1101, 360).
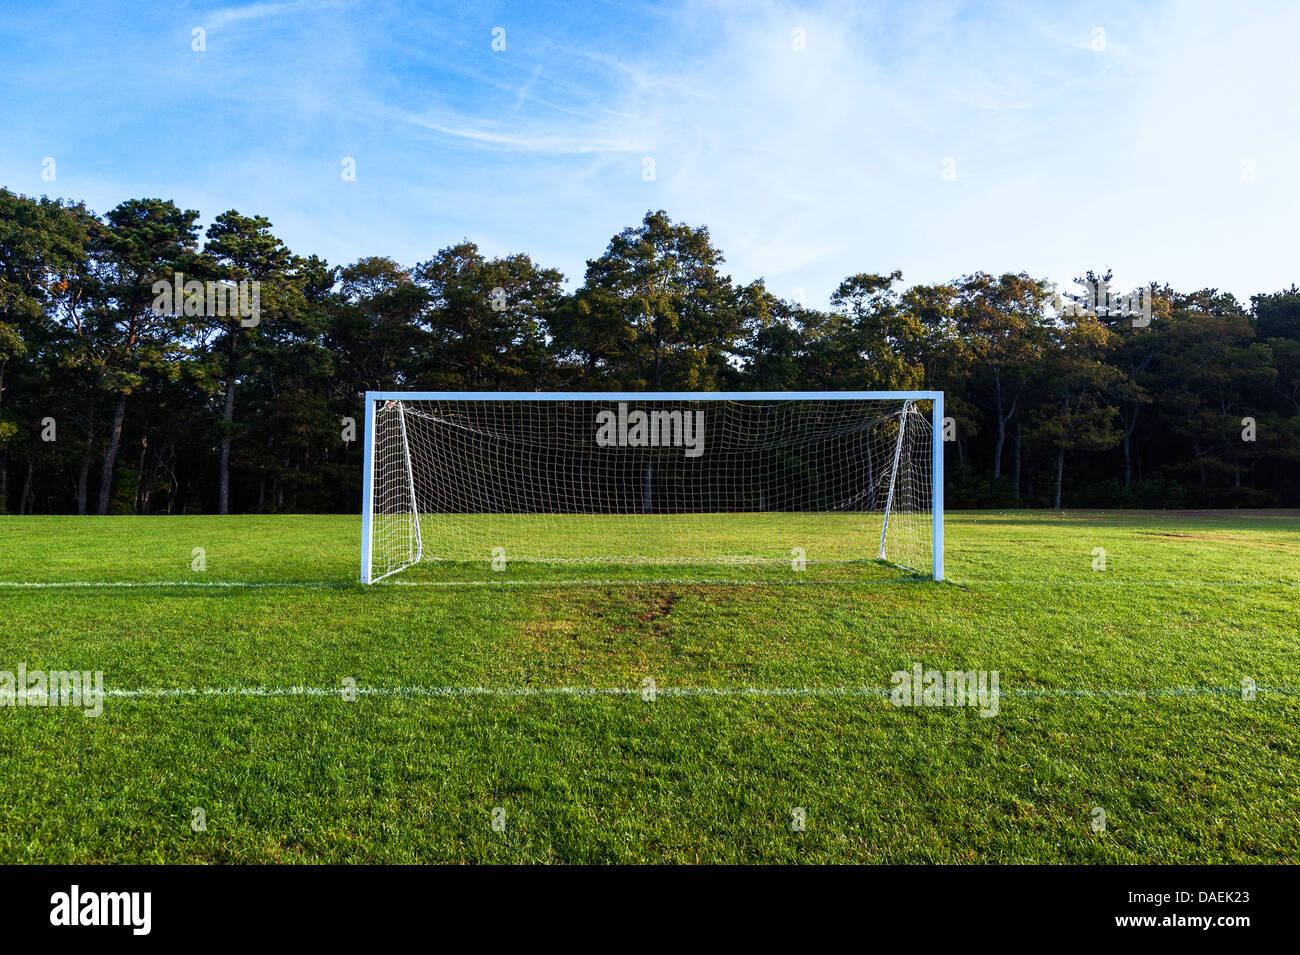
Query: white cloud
point(807, 166)
point(225, 16)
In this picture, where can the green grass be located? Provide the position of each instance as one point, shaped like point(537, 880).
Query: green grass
point(1189, 605)
point(668, 538)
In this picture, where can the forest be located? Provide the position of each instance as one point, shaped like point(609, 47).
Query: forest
point(111, 405)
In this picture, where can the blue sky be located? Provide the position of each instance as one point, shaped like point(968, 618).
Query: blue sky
point(935, 138)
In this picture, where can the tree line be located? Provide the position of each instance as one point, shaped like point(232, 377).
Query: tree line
point(111, 405)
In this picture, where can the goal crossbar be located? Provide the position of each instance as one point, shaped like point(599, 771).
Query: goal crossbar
point(498, 468)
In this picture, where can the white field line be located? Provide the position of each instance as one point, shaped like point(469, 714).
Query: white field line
point(666, 691)
point(616, 582)
point(724, 582)
point(1112, 582)
point(137, 584)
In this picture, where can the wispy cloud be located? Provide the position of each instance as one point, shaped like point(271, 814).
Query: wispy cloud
point(225, 16)
point(815, 140)
point(540, 143)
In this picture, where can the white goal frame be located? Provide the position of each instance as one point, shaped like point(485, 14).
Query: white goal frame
point(374, 398)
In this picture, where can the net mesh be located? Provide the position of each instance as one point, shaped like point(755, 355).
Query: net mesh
point(651, 481)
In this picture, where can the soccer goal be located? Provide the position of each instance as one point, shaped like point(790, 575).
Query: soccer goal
point(492, 478)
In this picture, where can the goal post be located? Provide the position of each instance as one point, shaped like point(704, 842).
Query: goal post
point(652, 478)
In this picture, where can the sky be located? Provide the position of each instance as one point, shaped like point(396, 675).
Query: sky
point(815, 141)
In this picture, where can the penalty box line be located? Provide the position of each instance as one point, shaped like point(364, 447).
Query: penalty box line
point(615, 582)
point(702, 692)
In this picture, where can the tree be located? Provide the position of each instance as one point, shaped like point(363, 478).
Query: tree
point(1073, 383)
point(140, 242)
point(193, 411)
point(777, 353)
point(1207, 373)
point(1003, 321)
point(1277, 322)
point(590, 339)
point(485, 319)
point(375, 327)
point(42, 244)
point(242, 249)
point(658, 303)
point(293, 449)
point(883, 340)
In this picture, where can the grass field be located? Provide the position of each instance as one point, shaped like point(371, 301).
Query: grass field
point(611, 539)
point(522, 692)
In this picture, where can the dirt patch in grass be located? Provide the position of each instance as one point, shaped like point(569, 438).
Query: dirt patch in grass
point(657, 609)
point(1248, 543)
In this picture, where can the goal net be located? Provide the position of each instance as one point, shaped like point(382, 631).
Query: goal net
point(633, 478)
